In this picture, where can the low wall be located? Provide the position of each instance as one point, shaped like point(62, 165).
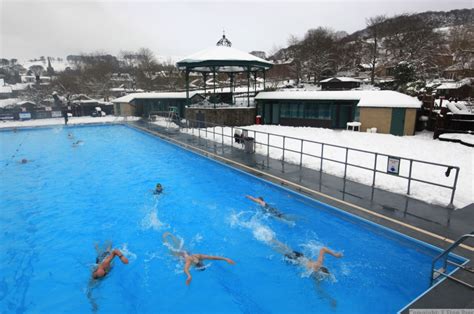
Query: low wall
point(222, 116)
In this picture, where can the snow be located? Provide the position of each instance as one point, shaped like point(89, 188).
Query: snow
point(341, 79)
point(419, 147)
point(8, 102)
point(367, 98)
point(5, 90)
point(454, 85)
point(153, 95)
point(459, 137)
point(71, 121)
point(58, 66)
point(222, 53)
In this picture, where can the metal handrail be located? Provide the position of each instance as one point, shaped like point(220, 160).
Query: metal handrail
point(195, 123)
point(445, 254)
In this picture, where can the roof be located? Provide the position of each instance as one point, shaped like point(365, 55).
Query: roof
point(5, 89)
point(8, 102)
point(454, 85)
point(340, 79)
point(225, 59)
point(382, 99)
point(168, 95)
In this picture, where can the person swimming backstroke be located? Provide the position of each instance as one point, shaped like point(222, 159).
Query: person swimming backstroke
point(189, 259)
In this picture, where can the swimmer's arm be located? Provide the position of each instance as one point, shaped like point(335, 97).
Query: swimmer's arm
point(256, 200)
point(217, 258)
point(186, 271)
point(114, 253)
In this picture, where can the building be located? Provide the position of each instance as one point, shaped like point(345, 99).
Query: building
point(5, 92)
point(339, 83)
point(388, 111)
point(459, 90)
point(141, 104)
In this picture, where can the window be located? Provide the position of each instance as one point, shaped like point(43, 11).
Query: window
point(324, 111)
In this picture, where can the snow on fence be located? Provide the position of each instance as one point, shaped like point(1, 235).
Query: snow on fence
point(429, 181)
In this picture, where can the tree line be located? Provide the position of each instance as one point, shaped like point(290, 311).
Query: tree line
point(407, 41)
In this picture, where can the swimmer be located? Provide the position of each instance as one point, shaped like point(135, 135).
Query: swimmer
point(70, 136)
point(24, 161)
point(267, 208)
point(299, 258)
point(189, 259)
point(158, 189)
point(79, 142)
point(104, 260)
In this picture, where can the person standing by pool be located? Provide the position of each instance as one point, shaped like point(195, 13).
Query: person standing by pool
point(195, 260)
point(104, 260)
point(66, 118)
point(267, 208)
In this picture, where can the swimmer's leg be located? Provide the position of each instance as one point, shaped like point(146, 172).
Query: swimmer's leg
point(281, 247)
point(174, 243)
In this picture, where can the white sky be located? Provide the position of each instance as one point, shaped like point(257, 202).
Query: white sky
point(32, 28)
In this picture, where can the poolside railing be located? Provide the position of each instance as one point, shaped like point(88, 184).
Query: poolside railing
point(294, 150)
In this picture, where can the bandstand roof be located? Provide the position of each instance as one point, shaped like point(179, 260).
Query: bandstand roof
point(223, 59)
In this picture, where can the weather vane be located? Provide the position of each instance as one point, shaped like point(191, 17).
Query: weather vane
point(224, 41)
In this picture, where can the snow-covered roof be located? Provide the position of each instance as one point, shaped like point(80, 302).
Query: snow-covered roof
point(341, 79)
point(228, 59)
point(153, 95)
point(454, 85)
point(8, 102)
point(382, 99)
point(24, 102)
point(5, 90)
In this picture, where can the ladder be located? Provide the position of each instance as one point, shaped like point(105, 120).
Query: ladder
point(442, 271)
point(172, 113)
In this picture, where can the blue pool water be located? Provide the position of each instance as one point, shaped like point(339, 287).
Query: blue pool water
point(54, 208)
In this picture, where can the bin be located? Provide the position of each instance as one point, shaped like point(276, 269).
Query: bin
point(258, 119)
point(249, 145)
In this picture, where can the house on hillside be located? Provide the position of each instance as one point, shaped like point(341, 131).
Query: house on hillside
point(458, 90)
point(339, 83)
point(6, 91)
point(388, 111)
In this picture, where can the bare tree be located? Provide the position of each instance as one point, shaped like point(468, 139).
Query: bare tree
point(375, 28)
point(318, 48)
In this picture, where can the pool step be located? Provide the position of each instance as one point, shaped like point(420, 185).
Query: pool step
point(440, 272)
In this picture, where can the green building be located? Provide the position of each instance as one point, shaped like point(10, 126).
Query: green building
point(387, 111)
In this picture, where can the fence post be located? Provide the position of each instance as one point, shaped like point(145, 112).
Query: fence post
point(213, 132)
point(322, 153)
point(409, 177)
point(232, 136)
point(375, 169)
point(283, 158)
point(451, 203)
point(301, 153)
point(345, 163)
point(222, 137)
point(268, 145)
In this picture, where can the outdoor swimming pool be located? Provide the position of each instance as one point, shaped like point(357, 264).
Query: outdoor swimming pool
point(67, 198)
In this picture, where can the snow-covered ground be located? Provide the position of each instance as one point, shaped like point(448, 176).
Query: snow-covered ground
point(56, 121)
point(420, 147)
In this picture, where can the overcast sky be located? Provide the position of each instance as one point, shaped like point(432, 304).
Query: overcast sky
point(33, 28)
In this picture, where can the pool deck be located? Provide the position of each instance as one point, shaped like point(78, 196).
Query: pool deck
point(434, 224)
